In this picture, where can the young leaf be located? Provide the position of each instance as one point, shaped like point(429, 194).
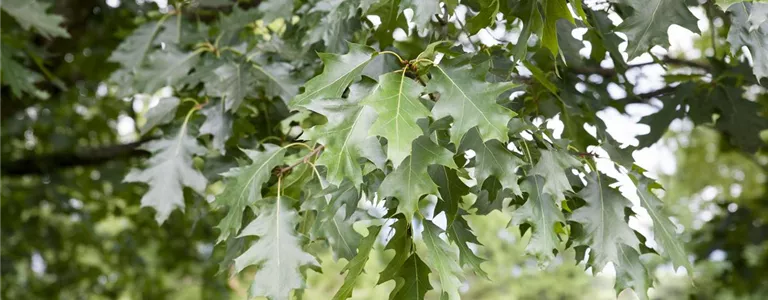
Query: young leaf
point(603, 221)
point(470, 100)
point(411, 180)
point(244, 186)
point(345, 136)
point(442, 259)
point(277, 253)
point(552, 166)
point(541, 212)
point(493, 159)
point(396, 100)
point(648, 24)
point(170, 169)
point(31, 14)
point(356, 264)
point(339, 71)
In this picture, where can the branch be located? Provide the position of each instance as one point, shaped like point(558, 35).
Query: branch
point(49, 163)
point(666, 60)
point(645, 97)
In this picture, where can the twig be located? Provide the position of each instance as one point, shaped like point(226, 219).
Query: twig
point(282, 171)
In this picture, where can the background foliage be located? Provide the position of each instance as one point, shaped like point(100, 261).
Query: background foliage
point(374, 149)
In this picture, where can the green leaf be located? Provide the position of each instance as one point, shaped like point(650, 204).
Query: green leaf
point(554, 10)
point(170, 170)
point(391, 19)
point(660, 121)
point(423, 10)
point(336, 213)
point(442, 259)
point(396, 100)
point(402, 245)
point(603, 219)
point(541, 212)
point(757, 16)
point(235, 83)
point(647, 26)
point(470, 100)
point(233, 23)
point(277, 80)
point(345, 136)
point(451, 190)
point(493, 159)
point(162, 113)
point(490, 197)
point(630, 272)
point(460, 233)
point(275, 9)
point(411, 180)
point(738, 118)
point(552, 166)
point(742, 34)
point(32, 14)
point(663, 229)
point(218, 123)
point(243, 188)
point(134, 49)
point(165, 68)
point(485, 17)
point(336, 22)
point(277, 253)
point(356, 264)
point(579, 8)
point(17, 76)
point(339, 71)
point(528, 13)
point(724, 4)
point(413, 280)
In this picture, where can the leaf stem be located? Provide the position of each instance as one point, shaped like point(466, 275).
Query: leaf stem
point(183, 131)
point(298, 144)
point(421, 59)
point(402, 61)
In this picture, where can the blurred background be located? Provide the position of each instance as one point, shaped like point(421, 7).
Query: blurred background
point(78, 232)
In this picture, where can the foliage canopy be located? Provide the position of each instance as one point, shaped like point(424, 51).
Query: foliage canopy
point(297, 120)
